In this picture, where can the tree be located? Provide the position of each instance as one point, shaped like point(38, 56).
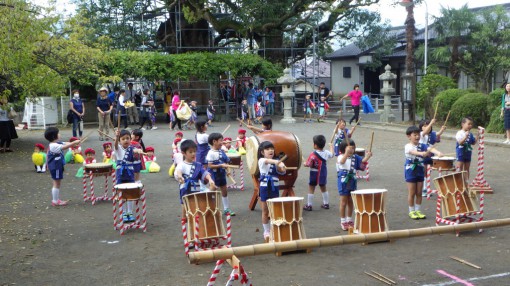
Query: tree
point(41, 54)
point(243, 25)
point(453, 28)
point(487, 51)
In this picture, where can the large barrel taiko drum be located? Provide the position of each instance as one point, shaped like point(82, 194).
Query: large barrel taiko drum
point(452, 188)
point(285, 142)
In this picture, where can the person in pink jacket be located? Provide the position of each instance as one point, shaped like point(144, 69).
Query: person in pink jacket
point(176, 101)
point(355, 96)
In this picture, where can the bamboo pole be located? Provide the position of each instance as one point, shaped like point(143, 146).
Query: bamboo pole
point(371, 142)
point(271, 248)
point(334, 133)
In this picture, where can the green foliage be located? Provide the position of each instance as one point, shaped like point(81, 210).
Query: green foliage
point(473, 105)
point(446, 99)
point(487, 51)
point(494, 101)
point(427, 89)
point(496, 124)
point(204, 66)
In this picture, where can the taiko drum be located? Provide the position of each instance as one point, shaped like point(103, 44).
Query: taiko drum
point(205, 205)
point(453, 190)
point(285, 214)
point(369, 207)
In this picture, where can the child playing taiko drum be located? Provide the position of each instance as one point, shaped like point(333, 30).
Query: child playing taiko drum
point(465, 140)
point(347, 164)
point(317, 161)
point(269, 170)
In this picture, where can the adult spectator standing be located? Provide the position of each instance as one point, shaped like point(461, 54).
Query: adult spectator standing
point(324, 91)
point(138, 104)
point(269, 99)
point(168, 103)
point(78, 108)
point(355, 96)
point(104, 108)
point(146, 105)
point(176, 101)
point(239, 94)
point(7, 130)
point(505, 111)
point(251, 98)
point(132, 111)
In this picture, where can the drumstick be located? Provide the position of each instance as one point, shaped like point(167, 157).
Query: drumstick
point(222, 133)
point(334, 133)
point(231, 179)
point(285, 157)
point(86, 136)
point(371, 142)
point(465, 262)
point(435, 112)
point(231, 166)
point(384, 277)
point(447, 116)
point(242, 121)
point(291, 168)
point(104, 134)
point(376, 277)
point(225, 142)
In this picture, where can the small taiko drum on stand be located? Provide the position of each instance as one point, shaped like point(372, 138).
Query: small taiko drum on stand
point(454, 195)
point(205, 206)
point(369, 207)
point(235, 159)
point(129, 192)
point(93, 170)
point(98, 169)
point(443, 163)
point(285, 214)
point(360, 152)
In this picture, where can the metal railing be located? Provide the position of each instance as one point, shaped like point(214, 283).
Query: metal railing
point(345, 105)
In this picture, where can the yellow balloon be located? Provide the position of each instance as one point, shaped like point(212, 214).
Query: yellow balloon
point(78, 158)
point(38, 158)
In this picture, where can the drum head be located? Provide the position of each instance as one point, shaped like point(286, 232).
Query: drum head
point(99, 165)
point(443, 158)
point(128, 186)
point(360, 150)
point(233, 155)
point(252, 146)
point(285, 199)
point(369, 191)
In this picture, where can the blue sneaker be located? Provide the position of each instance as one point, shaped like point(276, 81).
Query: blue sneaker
point(125, 218)
point(131, 218)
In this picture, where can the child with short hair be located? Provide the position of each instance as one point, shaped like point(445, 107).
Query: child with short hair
point(269, 169)
point(465, 141)
point(202, 140)
point(90, 157)
point(323, 108)
point(216, 162)
point(210, 113)
point(189, 172)
point(341, 133)
point(137, 142)
point(308, 107)
point(429, 137)
point(317, 161)
point(267, 125)
point(347, 164)
point(125, 172)
point(260, 110)
point(56, 162)
point(39, 158)
point(415, 170)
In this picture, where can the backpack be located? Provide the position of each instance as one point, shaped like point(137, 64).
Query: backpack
point(70, 116)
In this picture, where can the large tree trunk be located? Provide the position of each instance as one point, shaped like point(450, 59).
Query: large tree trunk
point(271, 47)
point(454, 70)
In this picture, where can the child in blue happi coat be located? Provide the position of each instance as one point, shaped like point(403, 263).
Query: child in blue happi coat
point(431, 138)
point(269, 170)
point(317, 161)
point(341, 133)
point(347, 164)
point(190, 173)
point(464, 147)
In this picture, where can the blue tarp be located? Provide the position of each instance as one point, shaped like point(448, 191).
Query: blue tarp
point(367, 106)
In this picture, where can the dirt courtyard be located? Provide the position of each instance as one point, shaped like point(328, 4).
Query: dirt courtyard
point(77, 245)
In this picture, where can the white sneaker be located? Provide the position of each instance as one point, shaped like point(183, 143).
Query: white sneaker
point(143, 128)
point(154, 128)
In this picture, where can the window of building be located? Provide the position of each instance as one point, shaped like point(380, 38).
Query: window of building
point(347, 72)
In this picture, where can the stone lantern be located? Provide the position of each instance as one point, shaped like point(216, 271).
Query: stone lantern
point(287, 95)
point(387, 91)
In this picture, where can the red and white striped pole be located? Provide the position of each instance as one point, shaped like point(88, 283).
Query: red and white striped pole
point(144, 210)
point(229, 232)
point(92, 196)
point(84, 181)
point(215, 272)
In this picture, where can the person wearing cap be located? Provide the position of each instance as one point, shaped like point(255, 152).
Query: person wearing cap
point(241, 139)
point(90, 157)
point(78, 108)
point(104, 108)
point(39, 158)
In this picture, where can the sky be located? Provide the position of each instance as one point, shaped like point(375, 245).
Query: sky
point(397, 14)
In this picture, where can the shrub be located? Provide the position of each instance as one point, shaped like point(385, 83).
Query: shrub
point(447, 98)
point(473, 105)
point(496, 124)
point(429, 86)
point(494, 101)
